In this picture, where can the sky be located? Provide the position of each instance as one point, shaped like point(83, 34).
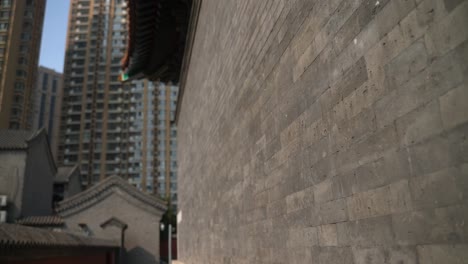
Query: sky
point(54, 34)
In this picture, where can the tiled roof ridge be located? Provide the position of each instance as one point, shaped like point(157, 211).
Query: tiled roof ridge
point(20, 140)
point(102, 190)
point(12, 235)
point(48, 220)
point(16, 139)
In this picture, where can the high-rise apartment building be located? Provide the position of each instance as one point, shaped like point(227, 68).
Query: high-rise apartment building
point(107, 127)
point(166, 138)
point(21, 24)
point(47, 104)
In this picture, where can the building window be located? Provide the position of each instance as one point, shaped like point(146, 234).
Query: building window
point(51, 117)
point(5, 14)
point(21, 73)
point(42, 110)
point(5, 3)
point(3, 26)
point(23, 61)
point(24, 48)
point(54, 85)
point(19, 86)
point(45, 81)
point(25, 36)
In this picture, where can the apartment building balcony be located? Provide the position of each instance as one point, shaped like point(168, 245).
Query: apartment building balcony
point(70, 151)
point(82, 14)
point(116, 120)
point(114, 151)
point(73, 113)
point(73, 122)
point(72, 142)
point(77, 74)
point(116, 110)
point(72, 132)
point(74, 103)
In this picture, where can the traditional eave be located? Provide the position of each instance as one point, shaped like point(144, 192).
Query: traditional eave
point(102, 190)
point(156, 39)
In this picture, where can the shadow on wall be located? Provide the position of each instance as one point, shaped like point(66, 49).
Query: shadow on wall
point(139, 255)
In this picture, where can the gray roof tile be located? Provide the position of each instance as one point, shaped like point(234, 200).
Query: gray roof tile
point(15, 139)
point(51, 220)
point(12, 236)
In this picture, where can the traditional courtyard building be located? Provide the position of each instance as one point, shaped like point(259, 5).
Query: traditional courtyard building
point(27, 172)
point(115, 210)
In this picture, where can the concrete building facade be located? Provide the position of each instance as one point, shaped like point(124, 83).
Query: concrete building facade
point(21, 24)
point(166, 141)
point(327, 131)
point(107, 127)
point(47, 105)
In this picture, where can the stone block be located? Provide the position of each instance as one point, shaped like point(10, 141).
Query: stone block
point(352, 79)
point(400, 255)
point(461, 179)
point(306, 217)
point(327, 235)
point(410, 62)
point(392, 167)
point(336, 255)
point(450, 254)
point(400, 197)
point(377, 145)
point(369, 255)
point(420, 124)
point(369, 204)
point(435, 226)
point(430, 12)
point(302, 237)
point(276, 208)
point(434, 190)
point(454, 107)
point(440, 76)
point(363, 16)
point(452, 4)
point(300, 255)
point(300, 200)
point(443, 36)
point(333, 212)
point(431, 155)
point(323, 191)
point(322, 170)
point(368, 232)
point(345, 133)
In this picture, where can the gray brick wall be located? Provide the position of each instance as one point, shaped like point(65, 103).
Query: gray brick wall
point(328, 131)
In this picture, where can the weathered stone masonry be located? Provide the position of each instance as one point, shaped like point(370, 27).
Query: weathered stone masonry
point(326, 131)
